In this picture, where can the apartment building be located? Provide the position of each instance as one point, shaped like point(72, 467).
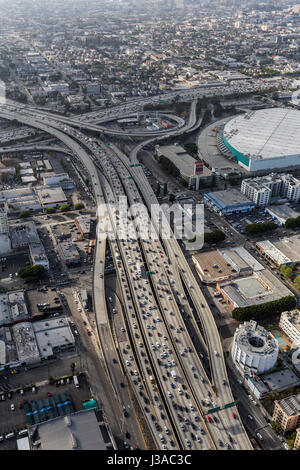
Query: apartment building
point(287, 412)
point(262, 189)
point(290, 324)
point(297, 440)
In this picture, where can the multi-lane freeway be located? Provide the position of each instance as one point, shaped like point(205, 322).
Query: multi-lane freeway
point(157, 355)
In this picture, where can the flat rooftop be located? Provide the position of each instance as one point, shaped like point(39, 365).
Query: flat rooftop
point(76, 431)
point(181, 159)
point(283, 211)
point(266, 133)
point(280, 380)
point(25, 342)
point(212, 266)
point(254, 290)
point(52, 333)
point(51, 195)
point(282, 250)
point(228, 197)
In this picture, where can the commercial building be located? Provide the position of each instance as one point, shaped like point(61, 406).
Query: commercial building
point(5, 245)
point(69, 253)
point(264, 140)
point(228, 202)
point(8, 352)
point(19, 199)
point(25, 342)
point(83, 223)
point(51, 196)
point(287, 412)
point(187, 165)
point(22, 234)
point(290, 324)
point(38, 255)
point(253, 348)
point(259, 288)
point(53, 335)
point(83, 430)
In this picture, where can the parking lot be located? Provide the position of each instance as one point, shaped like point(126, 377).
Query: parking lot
point(12, 264)
point(15, 420)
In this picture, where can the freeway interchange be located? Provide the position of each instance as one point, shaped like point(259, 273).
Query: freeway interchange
point(157, 355)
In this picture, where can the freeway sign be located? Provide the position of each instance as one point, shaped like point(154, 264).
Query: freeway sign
point(228, 405)
point(135, 164)
point(213, 410)
point(150, 272)
point(130, 177)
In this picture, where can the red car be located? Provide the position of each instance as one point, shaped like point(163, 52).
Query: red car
point(234, 415)
point(88, 332)
point(20, 405)
point(208, 419)
point(84, 322)
point(158, 334)
point(49, 394)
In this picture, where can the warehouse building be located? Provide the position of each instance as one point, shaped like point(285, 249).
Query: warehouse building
point(228, 202)
point(281, 251)
point(223, 264)
point(82, 430)
point(259, 288)
point(263, 140)
point(5, 245)
point(254, 350)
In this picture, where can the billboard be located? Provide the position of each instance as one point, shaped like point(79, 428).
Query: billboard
point(198, 168)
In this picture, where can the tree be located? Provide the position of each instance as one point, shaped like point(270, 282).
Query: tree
point(50, 210)
point(24, 214)
point(287, 271)
point(79, 205)
point(254, 229)
point(35, 271)
point(268, 309)
point(297, 282)
point(64, 208)
point(215, 236)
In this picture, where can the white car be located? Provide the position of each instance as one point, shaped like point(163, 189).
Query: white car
point(12, 407)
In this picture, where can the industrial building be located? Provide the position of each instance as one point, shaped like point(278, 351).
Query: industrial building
point(259, 288)
point(264, 140)
point(281, 251)
point(22, 234)
point(287, 413)
point(8, 352)
point(290, 325)
point(53, 335)
point(253, 348)
point(187, 165)
point(228, 202)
